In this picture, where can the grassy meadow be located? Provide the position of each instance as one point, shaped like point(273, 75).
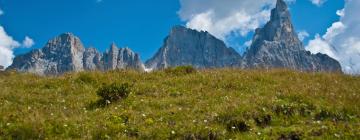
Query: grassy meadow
point(181, 104)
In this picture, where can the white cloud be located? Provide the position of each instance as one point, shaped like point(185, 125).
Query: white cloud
point(342, 39)
point(248, 43)
point(319, 45)
point(302, 35)
point(1, 12)
point(318, 2)
point(28, 42)
point(7, 44)
point(223, 18)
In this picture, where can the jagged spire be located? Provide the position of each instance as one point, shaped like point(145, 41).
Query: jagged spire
point(281, 11)
point(281, 5)
point(113, 47)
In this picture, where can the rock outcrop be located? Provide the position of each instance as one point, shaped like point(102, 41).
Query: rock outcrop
point(277, 46)
point(189, 47)
point(92, 60)
point(122, 58)
point(66, 53)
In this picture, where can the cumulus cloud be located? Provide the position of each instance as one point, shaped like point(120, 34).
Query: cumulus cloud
point(28, 42)
point(7, 46)
point(302, 35)
point(342, 39)
point(226, 17)
point(318, 2)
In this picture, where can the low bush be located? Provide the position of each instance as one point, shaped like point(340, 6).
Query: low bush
point(237, 126)
point(114, 92)
point(181, 70)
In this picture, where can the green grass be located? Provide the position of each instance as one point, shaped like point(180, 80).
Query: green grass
point(182, 104)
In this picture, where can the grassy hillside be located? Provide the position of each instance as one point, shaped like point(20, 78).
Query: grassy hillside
point(181, 104)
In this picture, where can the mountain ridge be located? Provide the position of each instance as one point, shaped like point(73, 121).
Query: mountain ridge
point(276, 45)
point(66, 53)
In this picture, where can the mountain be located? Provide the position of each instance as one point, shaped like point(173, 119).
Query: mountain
point(276, 45)
point(66, 53)
point(122, 58)
point(189, 47)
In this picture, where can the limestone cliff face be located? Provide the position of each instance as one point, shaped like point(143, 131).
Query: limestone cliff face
point(189, 47)
point(122, 58)
point(276, 45)
point(61, 54)
point(92, 60)
point(66, 53)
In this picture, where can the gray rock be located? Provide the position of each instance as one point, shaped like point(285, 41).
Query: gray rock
point(66, 53)
point(123, 58)
point(189, 47)
point(93, 60)
point(60, 55)
point(277, 46)
point(1, 67)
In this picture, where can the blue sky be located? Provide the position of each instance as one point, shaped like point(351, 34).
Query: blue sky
point(140, 24)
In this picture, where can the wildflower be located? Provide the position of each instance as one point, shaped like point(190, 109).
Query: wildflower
point(29, 108)
point(194, 121)
point(205, 121)
point(173, 132)
point(7, 124)
point(233, 127)
point(65, 125)
point(180, 108)
point(116, 108)
point(52, 114)
point(337, 135)
point(258, 133)
point(144, 115)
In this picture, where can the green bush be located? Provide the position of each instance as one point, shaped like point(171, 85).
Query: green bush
point(181, 70)
point(237, 126)
point(114, 92)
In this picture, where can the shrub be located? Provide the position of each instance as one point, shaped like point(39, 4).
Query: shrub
point(181, 70)
point(263, 121)
point(237, 126)
point(114, 92)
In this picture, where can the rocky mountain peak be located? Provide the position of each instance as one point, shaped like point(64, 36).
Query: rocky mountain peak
point(277, 45)
point(281, 7)
point(66, 53)
point(185, 46)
